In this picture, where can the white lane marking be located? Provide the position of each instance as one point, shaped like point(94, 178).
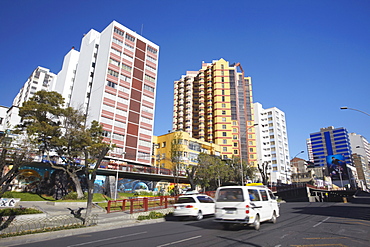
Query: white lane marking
point(284, 236)
point(321, 221)
point(183, 240)
point(100, 240)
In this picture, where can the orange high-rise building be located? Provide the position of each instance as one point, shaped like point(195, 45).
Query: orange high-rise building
point(215, 105)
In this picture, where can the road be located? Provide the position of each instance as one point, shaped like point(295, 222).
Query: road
point(300, 225)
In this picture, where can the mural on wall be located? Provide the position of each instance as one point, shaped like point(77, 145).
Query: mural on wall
point(337, 167)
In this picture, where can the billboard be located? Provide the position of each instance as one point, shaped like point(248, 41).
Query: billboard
point(337, 167)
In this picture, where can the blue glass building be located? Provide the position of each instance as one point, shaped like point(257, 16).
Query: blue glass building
point(330, 141)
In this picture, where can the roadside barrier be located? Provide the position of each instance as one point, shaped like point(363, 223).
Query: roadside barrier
point(141, 204)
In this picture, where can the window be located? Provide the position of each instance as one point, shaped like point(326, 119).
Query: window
point(117, 41)
point(113, 73)
point(149, 88)
point(147, 98)
point(145, 132)
point(224, 134)
point(151, 69)
point(223, 112)
point(145, 143)
point(125, 78)
point(123, 89)
point(111, 84)
point(230, 195)
point(149, 78)
point(254, 195)
point(116, 30)
point(147, 109)
point(105, 120)
point(118, 137)
point(264, 195)
point(146, 120)
point(224, 126)
point(224, 149)
point(122, 100)
point(129, 47)
point(152, 50)
point(120, 124)
point(127, 57)
point(150, 59)
point(106, 133)
point(126, 67)
point(114, 62)
point(115, 51)
point(129, 37)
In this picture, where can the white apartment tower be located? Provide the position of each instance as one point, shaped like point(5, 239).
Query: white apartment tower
point(272, 142)
point(113, 78)
point(40, 79)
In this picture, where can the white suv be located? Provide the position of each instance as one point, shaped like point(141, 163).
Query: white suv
point(245, 205)
point(194, 205)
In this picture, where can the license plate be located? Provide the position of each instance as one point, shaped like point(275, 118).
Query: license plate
point(230, 212)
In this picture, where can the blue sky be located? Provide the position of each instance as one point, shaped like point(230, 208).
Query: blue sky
point(307, 58)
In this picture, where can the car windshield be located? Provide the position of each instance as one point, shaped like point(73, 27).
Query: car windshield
point(230, 195)
point(185, 200)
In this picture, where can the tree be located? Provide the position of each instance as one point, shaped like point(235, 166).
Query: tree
point(94, 149)
point(263, 170)
point(176, 159)
point(15, 152)
point(212, 172)
point(56, 129)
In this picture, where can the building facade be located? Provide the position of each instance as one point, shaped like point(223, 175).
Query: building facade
point(115, 83)
point(214, 105)
point(189, 149)
point(113, 80)
point(331, 149)
point(272, 142)
point(361, 157)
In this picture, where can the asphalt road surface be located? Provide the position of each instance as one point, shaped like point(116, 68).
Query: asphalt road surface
point(300, 224)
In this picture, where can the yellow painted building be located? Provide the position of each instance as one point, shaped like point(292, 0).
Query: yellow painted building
point(189, 148)
point(215, 105)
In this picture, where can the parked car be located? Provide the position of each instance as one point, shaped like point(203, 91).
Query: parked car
point(248, 205)
point(195, 205)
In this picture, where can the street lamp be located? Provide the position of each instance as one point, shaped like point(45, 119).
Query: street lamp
point(241, 153)
point(347, 108)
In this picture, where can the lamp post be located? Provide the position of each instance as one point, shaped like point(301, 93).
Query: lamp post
point(353, 109)
point(241, 153)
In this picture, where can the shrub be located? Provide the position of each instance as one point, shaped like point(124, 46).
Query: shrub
point(73, 196)
point(19, 211)
point(152, 215)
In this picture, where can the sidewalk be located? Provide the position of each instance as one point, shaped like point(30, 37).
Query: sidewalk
point(105, 221)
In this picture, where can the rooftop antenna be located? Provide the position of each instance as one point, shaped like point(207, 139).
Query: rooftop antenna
point(142, 27)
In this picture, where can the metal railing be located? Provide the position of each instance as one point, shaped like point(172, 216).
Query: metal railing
point(144, 204)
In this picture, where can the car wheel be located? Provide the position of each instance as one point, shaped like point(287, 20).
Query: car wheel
point(257, 223)
point(199, 215)
point(273, 218)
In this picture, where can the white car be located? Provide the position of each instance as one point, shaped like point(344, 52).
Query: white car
point(248, 205)
point(194, 206)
